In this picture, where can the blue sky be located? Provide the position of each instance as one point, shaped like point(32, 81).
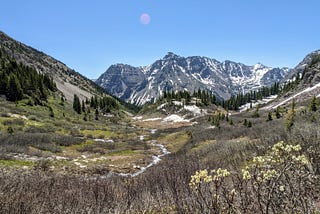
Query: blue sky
point(89, 36)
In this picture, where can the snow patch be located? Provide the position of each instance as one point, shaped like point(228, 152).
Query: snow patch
point(161, 106)
point(194, 109)
point(18, 116)
point(141, 137)
point(80, 165)
point(177, 103)
point(294, 96)
point(137, 118)
point(259, 102)
point(152, 119)
point(153, 131)
point(103, 140)
point(211, 127)
point(175, 119)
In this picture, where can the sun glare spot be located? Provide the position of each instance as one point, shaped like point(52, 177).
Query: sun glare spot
point(145, 19)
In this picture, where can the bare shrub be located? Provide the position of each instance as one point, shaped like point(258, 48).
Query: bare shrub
point(34, 118)
point(14, 122)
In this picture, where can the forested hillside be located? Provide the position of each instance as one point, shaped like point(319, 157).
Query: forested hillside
point(18, 81)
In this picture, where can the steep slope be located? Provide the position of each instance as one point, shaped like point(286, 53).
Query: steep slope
point(299, 69)
point(123, 80)
point(307, 86)
point(145, 84)
point(68, 81)
point(311, 69)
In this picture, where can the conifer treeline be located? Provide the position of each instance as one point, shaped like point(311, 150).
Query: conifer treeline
point(204, 97)
point(105, 104)
point(18, 81)
point(236, 101)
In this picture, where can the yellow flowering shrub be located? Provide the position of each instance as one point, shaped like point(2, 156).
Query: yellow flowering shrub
point(279, 181)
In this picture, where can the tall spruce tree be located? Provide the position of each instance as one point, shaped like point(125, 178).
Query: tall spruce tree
point(313, 104)
point(83, 106)
point(76, 104)
point(14, 90)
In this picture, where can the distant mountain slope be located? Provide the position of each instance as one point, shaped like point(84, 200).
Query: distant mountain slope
point(304, 64)
point(144, 84)
point(311, 69)
point(308, 85)
point(68, 81)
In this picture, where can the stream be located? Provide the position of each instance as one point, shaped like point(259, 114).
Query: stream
point(155, 159)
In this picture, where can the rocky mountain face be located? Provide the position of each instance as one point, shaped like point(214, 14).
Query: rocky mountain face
point(310, 69)
point(68, 81)
point(303, 65)
point(307, 86)
point(139, 85)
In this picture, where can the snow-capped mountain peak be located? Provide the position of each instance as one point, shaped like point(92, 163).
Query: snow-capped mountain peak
point(259, 66)
point(173, 72)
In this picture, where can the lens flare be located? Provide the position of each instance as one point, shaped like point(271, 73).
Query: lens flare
point(145, 19)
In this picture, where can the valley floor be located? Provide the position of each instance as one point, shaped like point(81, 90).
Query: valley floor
point(112, 165)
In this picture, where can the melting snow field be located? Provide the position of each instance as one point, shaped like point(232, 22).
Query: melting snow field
point(259, 102)
point(104, 140)
point(175, 119)
point(194, 109)
point(294, 96)
point(137, 118)
point(152, 119)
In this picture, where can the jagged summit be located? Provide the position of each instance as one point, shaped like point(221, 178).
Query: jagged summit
point(170, 56)
point(139, 85)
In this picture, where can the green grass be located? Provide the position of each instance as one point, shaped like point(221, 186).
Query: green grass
point(98, 133)
point(175, 141)
point(16, 163)
point(126, 149)
point(73, 150)
point(203, 145)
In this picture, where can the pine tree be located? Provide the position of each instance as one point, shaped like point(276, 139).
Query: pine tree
point(245, 122)
point(216, 121)
point(62, 101)
point(14, 90)
point(4, 81)
point(96, 102)
point(76, 104)
point(289, 123)
point(87, 101)
point(278, 114)
point(269, 117)
point(313, 104)
point(51, 113)
point(83, 106)
point(290, 117)
point(92, 102)
point(97, 114)
point(231, 121)
point(256, 112)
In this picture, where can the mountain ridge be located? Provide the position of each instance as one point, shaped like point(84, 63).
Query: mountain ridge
point(68, 81)
point(174, 72)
